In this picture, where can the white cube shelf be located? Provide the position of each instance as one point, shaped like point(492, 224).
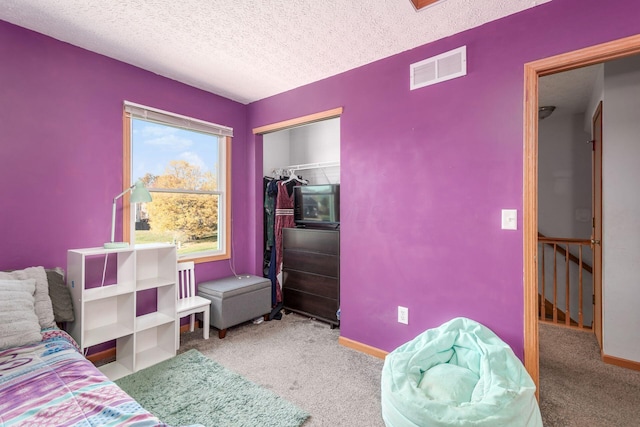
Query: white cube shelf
point(153, 345)
point(104, 284)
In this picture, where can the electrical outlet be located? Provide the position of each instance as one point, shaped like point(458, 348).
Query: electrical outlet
point(403, 315)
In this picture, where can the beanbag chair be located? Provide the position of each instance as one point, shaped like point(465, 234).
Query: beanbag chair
point(459, 374)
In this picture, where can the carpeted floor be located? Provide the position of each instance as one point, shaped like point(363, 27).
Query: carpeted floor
point(300, 360)
point(578, 389)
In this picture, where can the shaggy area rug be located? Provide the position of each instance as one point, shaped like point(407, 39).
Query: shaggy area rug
point(193, 389)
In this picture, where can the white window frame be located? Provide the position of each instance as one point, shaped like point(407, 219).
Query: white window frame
point(132, 110)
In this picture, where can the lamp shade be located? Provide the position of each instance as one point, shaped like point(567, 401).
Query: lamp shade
point(139, 194)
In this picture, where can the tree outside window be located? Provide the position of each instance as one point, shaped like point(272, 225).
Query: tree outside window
point(185, 172)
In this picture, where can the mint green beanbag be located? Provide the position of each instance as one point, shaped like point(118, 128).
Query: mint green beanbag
point(459, 374)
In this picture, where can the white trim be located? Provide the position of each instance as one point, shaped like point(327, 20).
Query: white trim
point(173, 119)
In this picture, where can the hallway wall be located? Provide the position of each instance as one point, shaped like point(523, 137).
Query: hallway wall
point(621, 209)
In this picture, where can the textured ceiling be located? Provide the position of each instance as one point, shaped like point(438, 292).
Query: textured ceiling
point(569, 91)
point(247, 50)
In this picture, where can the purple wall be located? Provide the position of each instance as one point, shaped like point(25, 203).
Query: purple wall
point(61, 147)
point(425, 173)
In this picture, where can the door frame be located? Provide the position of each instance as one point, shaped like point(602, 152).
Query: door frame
point(596, 226)
point(532, 71)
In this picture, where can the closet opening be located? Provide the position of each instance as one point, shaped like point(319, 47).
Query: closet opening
point(301, 211)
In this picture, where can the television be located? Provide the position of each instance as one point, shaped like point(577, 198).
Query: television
point(317, 205)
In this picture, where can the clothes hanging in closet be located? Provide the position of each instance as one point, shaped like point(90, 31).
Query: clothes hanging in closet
point(271, 192)
point(284, 219)
point(269, 259)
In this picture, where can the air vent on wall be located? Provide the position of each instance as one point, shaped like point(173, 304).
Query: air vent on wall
point(440, 68)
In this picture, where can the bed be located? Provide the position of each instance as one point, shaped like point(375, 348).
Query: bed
point(44, 379)
point(50, 383)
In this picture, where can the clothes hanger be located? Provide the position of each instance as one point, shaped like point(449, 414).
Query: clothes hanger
point(293, 176)
point(276, 173)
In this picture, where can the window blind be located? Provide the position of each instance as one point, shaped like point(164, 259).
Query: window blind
point(177, 120)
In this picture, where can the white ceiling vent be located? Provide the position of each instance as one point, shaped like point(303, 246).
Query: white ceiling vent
point(440, 68)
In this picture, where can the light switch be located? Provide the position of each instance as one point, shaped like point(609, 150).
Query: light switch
point(509, 219)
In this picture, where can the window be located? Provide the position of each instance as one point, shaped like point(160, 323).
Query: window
point(184, 163)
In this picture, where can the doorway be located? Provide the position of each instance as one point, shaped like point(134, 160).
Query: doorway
point(533, 71)
point(308, 145)
point(565, 196)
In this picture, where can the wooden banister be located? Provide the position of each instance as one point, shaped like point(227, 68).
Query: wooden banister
point(549, 311)
point(551, 240)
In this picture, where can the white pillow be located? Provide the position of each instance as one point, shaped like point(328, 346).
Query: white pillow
point(18, 321)
point(43, 307)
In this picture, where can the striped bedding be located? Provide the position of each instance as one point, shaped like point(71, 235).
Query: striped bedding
point(51, 384)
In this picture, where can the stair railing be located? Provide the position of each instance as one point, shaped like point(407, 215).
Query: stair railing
point(570, 252)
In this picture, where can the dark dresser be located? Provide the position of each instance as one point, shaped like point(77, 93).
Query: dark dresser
point(311, 273)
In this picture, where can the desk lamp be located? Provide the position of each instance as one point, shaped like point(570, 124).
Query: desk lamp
point(139, 194)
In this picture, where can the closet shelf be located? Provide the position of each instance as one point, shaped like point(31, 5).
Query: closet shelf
point(318, 165)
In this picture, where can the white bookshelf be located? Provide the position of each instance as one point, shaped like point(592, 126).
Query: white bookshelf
point(105, 303)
